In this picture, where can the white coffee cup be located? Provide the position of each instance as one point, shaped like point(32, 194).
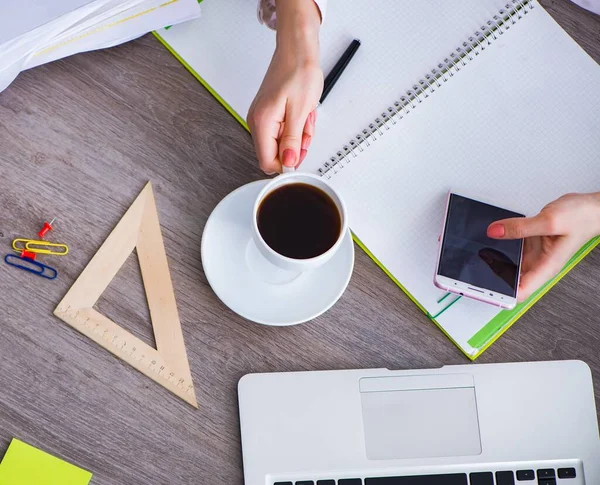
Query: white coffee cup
point(273, 267)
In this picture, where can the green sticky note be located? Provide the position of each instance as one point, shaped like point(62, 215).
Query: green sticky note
point(25, 465)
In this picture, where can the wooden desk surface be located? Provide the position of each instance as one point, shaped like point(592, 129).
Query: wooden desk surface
point(78, 140)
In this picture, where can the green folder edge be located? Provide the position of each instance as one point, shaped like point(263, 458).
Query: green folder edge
point(496, 327)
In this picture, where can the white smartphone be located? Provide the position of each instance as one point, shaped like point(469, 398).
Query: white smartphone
point(469, 262)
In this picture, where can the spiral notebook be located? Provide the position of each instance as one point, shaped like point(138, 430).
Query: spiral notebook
point(489, 96)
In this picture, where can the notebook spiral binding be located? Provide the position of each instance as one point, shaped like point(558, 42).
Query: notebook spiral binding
point(425, 87)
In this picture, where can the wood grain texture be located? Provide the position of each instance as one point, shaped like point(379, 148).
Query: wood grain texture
point(78, 140)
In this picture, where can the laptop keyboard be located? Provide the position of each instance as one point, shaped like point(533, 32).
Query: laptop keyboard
point(543, 476)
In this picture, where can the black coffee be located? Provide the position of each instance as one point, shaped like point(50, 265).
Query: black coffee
point(299, 221)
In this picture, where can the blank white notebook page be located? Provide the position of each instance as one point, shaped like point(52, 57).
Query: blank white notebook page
point(520, 123)
point(231, 51)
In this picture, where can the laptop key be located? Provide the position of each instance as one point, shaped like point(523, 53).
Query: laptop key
point(546, 481)
point(525, 475)
point(505, 478)
point(305, 482)
point(350, 481)
point(283, 483)
point(448, 479)
point(546, 473)
point(481, 478)
point(325, 482)
point(566, 473)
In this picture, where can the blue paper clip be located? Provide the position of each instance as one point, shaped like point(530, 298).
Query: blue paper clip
point(31, 266)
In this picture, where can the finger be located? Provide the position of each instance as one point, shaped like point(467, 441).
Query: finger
point(532, 250)
point(521, 227)
point(265, 130)
point(309, 126)
point(307, 134)
point(309, 129)
point(546, 268)
point(306, 140)
point(290, 142)
point(532, 280)
point(302, 157)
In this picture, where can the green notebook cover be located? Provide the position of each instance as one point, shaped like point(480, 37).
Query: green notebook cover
point(497, 325)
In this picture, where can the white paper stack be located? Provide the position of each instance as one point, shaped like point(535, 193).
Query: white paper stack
point(38, 31)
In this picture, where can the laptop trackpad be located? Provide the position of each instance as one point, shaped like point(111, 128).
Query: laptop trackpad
point(420, 416)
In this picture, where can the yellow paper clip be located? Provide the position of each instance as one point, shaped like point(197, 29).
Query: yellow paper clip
point(40, 247)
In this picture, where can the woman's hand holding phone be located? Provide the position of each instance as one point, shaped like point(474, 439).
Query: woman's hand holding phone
point(551, 238)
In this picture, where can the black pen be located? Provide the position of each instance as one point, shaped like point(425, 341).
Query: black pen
point(338, 69)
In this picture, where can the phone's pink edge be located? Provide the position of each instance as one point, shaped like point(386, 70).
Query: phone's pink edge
point(456, 292)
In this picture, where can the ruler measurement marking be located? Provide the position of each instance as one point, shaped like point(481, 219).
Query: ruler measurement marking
point(170, 378)
point(138, 229)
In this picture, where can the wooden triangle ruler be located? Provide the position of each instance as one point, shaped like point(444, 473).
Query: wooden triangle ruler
point(138, 229)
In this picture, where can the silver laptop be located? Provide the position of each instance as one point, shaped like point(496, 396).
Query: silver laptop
point(496, 424)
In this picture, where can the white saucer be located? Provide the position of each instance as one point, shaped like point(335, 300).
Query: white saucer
point(224, 242)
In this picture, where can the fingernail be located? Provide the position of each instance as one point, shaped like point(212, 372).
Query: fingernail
point(302, 156)
point(306, 139)
point(289, 157)
point(496, 230)
point(271, 173)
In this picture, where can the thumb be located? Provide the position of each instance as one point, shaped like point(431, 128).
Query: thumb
point(290, 142)
point(545, 270)
point(520, 227)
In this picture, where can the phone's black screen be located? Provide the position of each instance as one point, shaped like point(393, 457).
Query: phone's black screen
point(470, 256)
